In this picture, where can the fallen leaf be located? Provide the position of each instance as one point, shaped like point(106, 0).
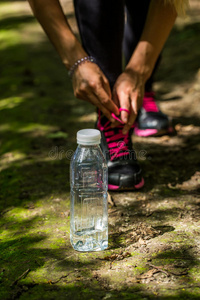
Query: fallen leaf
point(116, 256)
point(148, 274)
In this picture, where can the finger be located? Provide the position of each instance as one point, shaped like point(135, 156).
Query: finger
point(115, 124)
point(115, 97)
point(81, 95)
point(106, 86)
point(90, 97)
point(105, 99)
point(124, 103)
point(136, 101)
point(130, 122)
point(133, 113)
point(94, 100)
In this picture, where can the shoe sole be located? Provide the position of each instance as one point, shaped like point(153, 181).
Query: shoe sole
point(152, 132)
point(112, 187)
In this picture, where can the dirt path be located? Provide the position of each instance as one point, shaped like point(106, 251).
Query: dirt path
point(154, 241)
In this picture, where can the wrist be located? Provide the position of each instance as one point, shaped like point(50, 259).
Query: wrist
point(72, 53)
point(80, 62)
point(143, 60)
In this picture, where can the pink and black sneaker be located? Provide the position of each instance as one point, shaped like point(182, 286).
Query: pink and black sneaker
point(124, 172)
point(151, 121)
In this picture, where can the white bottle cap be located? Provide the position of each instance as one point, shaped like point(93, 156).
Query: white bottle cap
point(88, 137)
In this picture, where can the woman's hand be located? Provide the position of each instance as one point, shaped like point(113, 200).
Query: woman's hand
point(90, 84)
point(129, 87)
point(128, 93)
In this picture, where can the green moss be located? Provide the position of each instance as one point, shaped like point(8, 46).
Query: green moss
point(141, 269)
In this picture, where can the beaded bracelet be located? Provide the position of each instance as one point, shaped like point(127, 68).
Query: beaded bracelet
point(79, 62)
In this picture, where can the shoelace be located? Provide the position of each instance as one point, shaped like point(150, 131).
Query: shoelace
point(149, 103)
point(117, 143)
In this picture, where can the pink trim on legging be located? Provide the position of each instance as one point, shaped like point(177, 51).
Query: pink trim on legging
point(149, 103)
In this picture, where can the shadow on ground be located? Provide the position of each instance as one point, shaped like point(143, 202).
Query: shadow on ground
point(180, 57)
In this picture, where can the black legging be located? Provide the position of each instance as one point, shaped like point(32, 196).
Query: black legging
point(103, 34)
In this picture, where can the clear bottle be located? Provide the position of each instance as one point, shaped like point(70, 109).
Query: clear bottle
point(88, 210)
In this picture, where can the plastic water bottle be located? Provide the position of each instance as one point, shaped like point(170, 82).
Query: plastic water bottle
point(88, 210)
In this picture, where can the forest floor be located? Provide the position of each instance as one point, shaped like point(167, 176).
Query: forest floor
point(154, 233)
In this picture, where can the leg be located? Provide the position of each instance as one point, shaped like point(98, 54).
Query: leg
point(101, 26)
point(136, 12)
point(150, 121)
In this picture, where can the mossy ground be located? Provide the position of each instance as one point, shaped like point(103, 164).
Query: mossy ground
point(154, 233)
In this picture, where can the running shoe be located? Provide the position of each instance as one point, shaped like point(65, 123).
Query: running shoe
point(151, 121)
point(124, 172)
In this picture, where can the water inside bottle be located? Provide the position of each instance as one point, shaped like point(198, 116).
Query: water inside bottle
point(89, 231)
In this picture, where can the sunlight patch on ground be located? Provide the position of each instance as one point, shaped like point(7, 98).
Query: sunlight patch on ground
point(16, 8)
point(5, 127)
point(10, 157)
point(88, 118)
point(42, 129)
point(8, 38)
point(10, 102)
point(19, 159)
